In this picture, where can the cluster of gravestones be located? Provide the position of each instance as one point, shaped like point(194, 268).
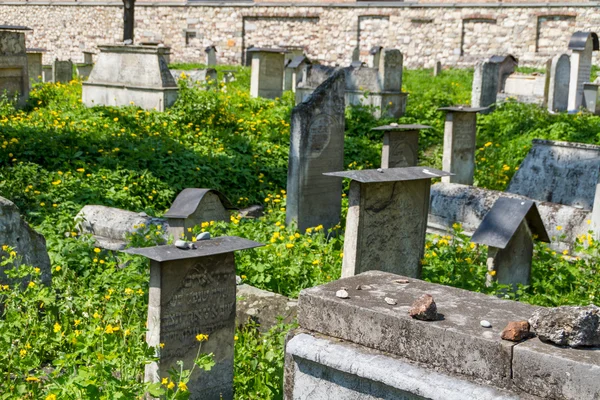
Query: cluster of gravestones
point(565, 86)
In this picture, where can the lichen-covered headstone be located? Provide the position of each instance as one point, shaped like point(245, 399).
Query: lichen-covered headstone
point(485, 84)
point(267, 72)
point(558, 86)
point(62, 71)
point(14, 74)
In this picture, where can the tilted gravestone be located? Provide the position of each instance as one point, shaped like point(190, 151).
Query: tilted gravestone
point(485, 84)
point(400, 145)
point(582, 44)
point(193, 292)
point(14, 74)
point(508, 230)
point(558, 85)
point(194, 206)
point(559, 172)
point(460, 131)
point(62, 71)
point(317, 147)
point(387, 219)
point(267, 72)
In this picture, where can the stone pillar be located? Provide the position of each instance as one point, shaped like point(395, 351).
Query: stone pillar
point(387, 219)
point(390, 70)
point(211, 55)
point(62, 71)
point(485, 84)
point(437, 69)
point(400, 145)
point(582, 44)
point(34, 65)
point(267, 72)
point(194, 292)
point(558, 85)
point(316, 147)
point(459, 143)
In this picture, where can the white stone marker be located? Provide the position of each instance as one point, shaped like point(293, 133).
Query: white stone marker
point(316, 147)
point(400, 145)
point(582, 44)
point(459, 143)
point(267, 72)
point(62, 71)
point(485, 84)
point(558, 85)
point(193, 292)
point(211, 55)
point(507, 230)
point(387, 219)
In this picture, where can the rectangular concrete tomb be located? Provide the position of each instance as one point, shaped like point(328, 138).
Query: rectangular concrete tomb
point(364, 348)
point(193, 292)
point(400, 145)
point(387, 219)
point(124, 75)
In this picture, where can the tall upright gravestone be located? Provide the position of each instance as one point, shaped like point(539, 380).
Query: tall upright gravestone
point(582, 44)
point(211, 55)
point(14, 74)
point(317, 147)
point(485, 84)
point(400, 145)
point(267, 72)
point(62, 71)
point(192, 292)
point(34, 65)
point(558, 86)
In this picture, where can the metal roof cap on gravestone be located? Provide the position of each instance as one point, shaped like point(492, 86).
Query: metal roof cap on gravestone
point(209, 48)
point(501, 222)
point(187, 202)
point(579, 39)
point(375, 49)
point(15, 28)
point(400, 128)
point(390, 174)
point(296, 61)
point(463, 109)
point(212, 247)
point(265, 50)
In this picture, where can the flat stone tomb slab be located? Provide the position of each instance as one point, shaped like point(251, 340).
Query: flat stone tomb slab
point(194, 292)
point(400, 145)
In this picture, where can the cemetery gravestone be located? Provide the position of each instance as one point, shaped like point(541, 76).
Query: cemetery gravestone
point(317, 147)
point(459, 143)
point(85, 69)
point(356, 63)
point(508, 230)
point(400, 145)
point(211, 55)
point(506, 66)
point(437, 69)
point(267, 72)
point(294, 71)
point(590, 97)
point(34, 65)
point(62, 71)
point(485, 84)
point(558, 86)
point(375, 56)
point(387, 219)
point(14, 74)
point(193, 292)
point(582, 44)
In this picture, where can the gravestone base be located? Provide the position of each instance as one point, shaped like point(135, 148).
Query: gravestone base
point(124, 75)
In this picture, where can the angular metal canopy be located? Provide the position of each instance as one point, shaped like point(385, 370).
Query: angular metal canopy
point(391, 174)
point(400, 128)
point(189, 199)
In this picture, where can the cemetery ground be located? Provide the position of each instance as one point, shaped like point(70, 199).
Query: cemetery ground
point(84, 337)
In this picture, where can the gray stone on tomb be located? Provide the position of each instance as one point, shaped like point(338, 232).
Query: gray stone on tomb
point(508, 230)
point(361, 347)
point(267, 72)
point(387, 219)
point(62, 71)
point(485, 84)
point(194, 206)
point(558, 85)
point(590, 97)
point(317, 147)
point(582, 44)
point(125, 74)
point(211, 55)
point(559, 172)
point(374, 56)
point(460, 131)
point(34, 65)
point(507, 65)
point(294, 71)
point(400, 145)
point(437, 69)
point(14, 71)
point(194, 292)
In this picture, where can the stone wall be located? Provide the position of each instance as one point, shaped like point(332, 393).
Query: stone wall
point(455, 34)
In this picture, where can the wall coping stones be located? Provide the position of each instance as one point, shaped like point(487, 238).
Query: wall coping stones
point(456, 343)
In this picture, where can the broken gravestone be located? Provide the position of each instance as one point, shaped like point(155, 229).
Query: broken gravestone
point(29, 245)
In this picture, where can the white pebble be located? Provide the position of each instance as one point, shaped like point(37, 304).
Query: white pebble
point(390, 301)
point(181, 244)
point(485, 324)
point(342, 294)
point(203, 236)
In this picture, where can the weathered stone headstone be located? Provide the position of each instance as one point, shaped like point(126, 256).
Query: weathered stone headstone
point(14, 74)
point(317, 147)
point(294, 71)
point(356, 63)
point(558, 85)
point(506, 66)
point(460, 131)
point(194, 206)
point(560, 172)
point(508, 230)
point(34, 65)
point(400, 145)
point(387, 219)
point(193, 292)
point(437, 68)
point(582, 44)
point(485, 84)
point(590, 97)
point(29, 245)
point(211, 55)
point(62, 71)
point(267, 72)
point(126, 74)
point(374, 56)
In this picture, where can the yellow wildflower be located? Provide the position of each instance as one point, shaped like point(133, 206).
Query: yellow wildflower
point(170, 386)
point(201, 337)
point(492, 273)
point(57, 327)
point(182, 386)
